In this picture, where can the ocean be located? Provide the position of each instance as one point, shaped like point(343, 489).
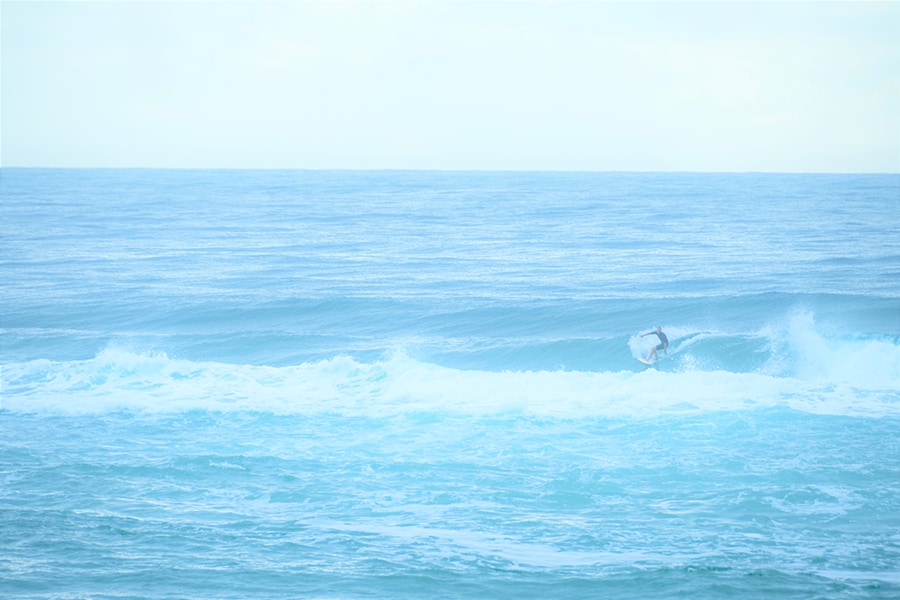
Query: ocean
point(416, 384)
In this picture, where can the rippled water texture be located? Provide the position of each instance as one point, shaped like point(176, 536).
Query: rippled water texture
point(283, 384)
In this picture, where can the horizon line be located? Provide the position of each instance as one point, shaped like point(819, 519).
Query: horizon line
point(446, 170)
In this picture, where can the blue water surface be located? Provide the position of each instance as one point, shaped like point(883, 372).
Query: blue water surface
point(390, 384)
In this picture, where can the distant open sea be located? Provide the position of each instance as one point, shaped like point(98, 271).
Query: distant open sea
point(417, 385)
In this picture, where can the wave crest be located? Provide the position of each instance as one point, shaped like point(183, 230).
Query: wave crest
point(118, 379)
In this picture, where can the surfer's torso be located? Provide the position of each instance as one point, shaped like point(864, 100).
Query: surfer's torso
point(663, 340)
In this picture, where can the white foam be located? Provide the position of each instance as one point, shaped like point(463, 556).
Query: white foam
point(121, 380)
point(812, 353)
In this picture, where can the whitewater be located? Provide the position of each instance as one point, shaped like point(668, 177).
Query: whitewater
point(410, 384)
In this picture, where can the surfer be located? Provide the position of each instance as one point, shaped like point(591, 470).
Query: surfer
point(663, 343)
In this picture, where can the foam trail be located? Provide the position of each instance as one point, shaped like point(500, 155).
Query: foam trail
point(121, 380)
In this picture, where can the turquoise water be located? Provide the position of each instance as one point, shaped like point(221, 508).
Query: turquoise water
point(283, 384)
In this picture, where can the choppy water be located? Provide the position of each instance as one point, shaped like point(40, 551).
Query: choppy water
point(282, 384)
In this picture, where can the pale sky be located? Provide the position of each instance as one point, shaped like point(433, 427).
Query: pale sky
point(552, 85)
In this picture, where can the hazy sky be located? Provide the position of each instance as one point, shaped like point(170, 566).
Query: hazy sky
point(757, 86)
